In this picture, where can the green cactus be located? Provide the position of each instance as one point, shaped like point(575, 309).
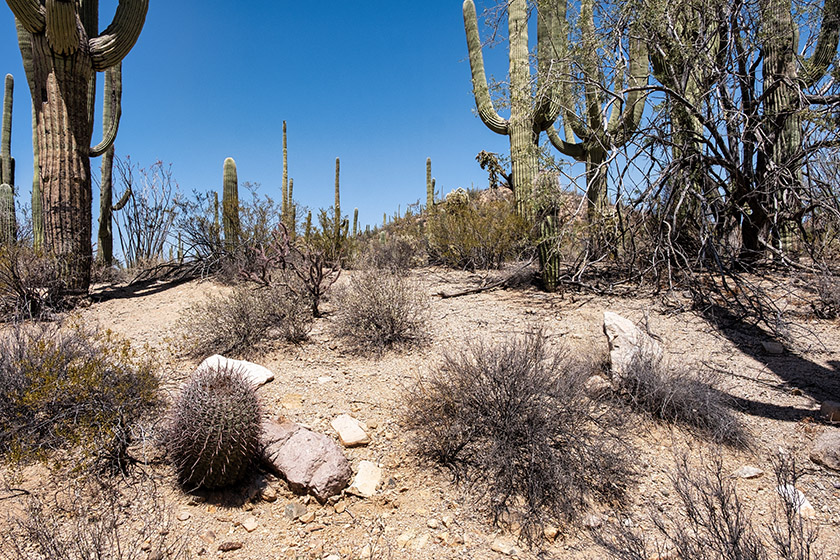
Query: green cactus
point(230, 205)
point(213, 437)
point(430, 186)
point(337, 209)
point(111, 111)
point(307, 228)
point(286, 201)
point(384, 219)
point(8, 221)
point(292, 213)
point(355, 222)
point(62, 52)
point(589, 138)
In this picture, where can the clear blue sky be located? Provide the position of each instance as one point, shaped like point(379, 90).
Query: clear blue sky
point(382, 85)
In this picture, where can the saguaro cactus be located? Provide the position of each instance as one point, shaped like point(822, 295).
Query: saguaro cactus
point(430, 185)
point(286, 201)
point(112, 109)
point(355, 221)
point(65, 58)
point(8, 222)
point(230, 205)
point(337, 219)
point(589, 139)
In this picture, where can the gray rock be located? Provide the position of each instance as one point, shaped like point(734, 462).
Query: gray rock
point(255, 373)
point(309, 462)
point(293, 510)
point(826, 450)
point(830, 410)
point(772, 347)
point(628, 342)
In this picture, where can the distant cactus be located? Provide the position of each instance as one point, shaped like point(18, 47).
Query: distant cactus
point(8, 222)
point(337, 220)
point(213, 438)
point(307, 228)
point(230, 205)
point(292, 211)
point(355, 222)
point(458, 197)
point(430, 185)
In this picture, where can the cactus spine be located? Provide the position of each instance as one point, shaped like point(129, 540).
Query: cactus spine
point(111, 111)
point(430, 185)
point(230, 205)
point(8, 222)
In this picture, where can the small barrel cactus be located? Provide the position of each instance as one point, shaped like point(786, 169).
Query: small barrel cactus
point(213, 438)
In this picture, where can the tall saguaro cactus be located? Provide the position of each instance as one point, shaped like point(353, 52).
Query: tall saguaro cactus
point(65, 58)
point(430, 185)
point(112, 109)
point(285, 203)
point(337, 219)
point(590, 138)
point(230, 205)
point(8, 223)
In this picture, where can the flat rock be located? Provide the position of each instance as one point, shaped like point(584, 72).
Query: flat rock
point(310, 462)
point(504, 546)
point(255, 373)
point(366, 481)
point(230, 545)
point(826, 450)
point(350, 433)
point(772, 347)
point(627, 343)
point(294, 510)
point(830, 410)
point(250, 524)
point(795, 497)
point(748, 472)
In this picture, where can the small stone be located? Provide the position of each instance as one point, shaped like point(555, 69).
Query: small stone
point(404, 538)
point(146, 546)
point(268, 494)
point(365, 553)
point(772, 347)
point(350, 433)
point(332, 557)
point(292, 401)
point(504, 546)
point(447, 520)
point(366, 481)
point(294, 510)
point(830, 410)
point(250, 524)
point(324, 379)
point(156, 555)
point(307, 517)
point(551, 533)
point(183, 515)
point(826, 450)
point(433, 523)
point(208, 537)
point(592, 521)
point(230, 545)
point(748, 472)
point(420, 542)
point(627, 343)
point(340, 507)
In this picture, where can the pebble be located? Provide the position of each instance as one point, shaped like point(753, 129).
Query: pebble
point(269, 494)
point(433, 523)
point(340, 507)
point(230, 545)
point(307, 517)
point(366, 481)
point(184, 515)
point(551, 533)
point(747, 472)
point(447, 520)
point(208, 537)
point(294, 510)
point(504, 546)
point(365, 553)
point(250, 524)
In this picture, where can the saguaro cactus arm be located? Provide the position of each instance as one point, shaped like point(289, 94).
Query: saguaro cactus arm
point(112, 110)
point(113, 44)
point(30, 13)
point(7, 162)
point(62, 32)
point(814, 68)
point(481, 90)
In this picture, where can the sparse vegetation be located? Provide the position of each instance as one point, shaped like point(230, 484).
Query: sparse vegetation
point(66, 386)
point(381, 309)
point(689, 398)
point(30, 283)
point(513, 421)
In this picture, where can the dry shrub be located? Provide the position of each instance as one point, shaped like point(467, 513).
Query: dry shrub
point(477, 235)
point(513, 421)
point(827, 303)
point(394, 252)
point(90, 524)
point(713, 523)
point(688, 398)
point(29, 282)
point(235, 323)
point(71, 387)
point(381, 309)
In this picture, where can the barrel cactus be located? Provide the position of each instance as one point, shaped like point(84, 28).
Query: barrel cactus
point(213, 438)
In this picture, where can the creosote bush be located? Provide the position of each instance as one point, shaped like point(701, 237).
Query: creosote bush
point(513, 421)
point(713, 524)
point(381, 309)
point(477, 234)
point(213, 437)
point(685, 397)
point(236, 322)
point(67, 386)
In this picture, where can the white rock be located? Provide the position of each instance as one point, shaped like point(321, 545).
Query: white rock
point(250, 524)
point(350, 433)
point(747, 472)
point(796, 498)
point(628, 342)
point(504, 546)
point(255, 373)
point(366, 481)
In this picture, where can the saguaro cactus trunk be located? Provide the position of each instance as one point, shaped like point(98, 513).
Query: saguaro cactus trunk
point(64, 61)
point(430, 186)
point(110, 113)
point(8, 222)
point(230, 205)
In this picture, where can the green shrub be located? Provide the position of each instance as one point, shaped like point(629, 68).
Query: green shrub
point(213, 437)
point(381, 309)
point(514, 422)
point(66, 386)
point(478, 234)
point(235, 323)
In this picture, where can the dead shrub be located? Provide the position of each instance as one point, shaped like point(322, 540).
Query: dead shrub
point(66, 386)
point(394, 252)
point(236, 322)
point(713, 523)
point(30, 283)
point(381, 309)
point(691, 399)
point(512, 420)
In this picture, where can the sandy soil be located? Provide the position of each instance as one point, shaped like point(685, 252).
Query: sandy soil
point(418, 512)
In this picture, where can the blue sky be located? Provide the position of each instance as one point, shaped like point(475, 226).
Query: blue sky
point(382, 85)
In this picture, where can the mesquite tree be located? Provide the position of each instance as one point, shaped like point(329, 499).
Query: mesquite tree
point(66, 53)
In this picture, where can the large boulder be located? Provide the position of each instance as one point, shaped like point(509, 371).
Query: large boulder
point(310, 462)
point(255, 373)
point(826, 450)
point(628, 343)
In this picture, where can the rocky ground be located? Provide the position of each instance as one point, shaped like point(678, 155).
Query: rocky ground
point(416, 511)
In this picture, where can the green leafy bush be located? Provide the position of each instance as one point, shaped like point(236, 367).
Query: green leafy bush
point(66, 386)
point(477, 234)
